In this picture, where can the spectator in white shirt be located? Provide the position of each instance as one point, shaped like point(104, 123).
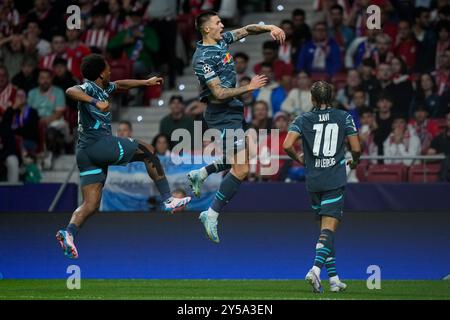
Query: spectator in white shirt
point(298, 100)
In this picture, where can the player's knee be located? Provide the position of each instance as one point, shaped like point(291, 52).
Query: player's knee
point(91, 205)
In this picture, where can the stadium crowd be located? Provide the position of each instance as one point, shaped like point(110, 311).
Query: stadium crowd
point(394, 81)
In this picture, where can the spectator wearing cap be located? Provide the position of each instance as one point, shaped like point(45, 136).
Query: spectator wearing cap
point(97, 36)
point(140, 43)
point(321, 55)
point(425, 128)
point(270, 56)
point(27, 78)
point(405, 44)
point(176, 119)
point(426, 40)
point(298, 100)
point(7, 90)
point(272, 93)
point(241, 65)
point(402, 141)
point(426, 96)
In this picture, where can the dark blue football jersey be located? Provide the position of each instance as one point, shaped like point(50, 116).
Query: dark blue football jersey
point(323, 134)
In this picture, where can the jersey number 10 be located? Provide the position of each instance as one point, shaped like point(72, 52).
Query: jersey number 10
point(329, 141)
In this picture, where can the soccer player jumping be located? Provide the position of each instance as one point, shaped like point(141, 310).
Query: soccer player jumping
point(323, 131)
point(97, 148)
point(215, 71)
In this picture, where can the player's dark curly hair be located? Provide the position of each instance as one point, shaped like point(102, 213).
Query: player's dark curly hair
point(202, 18)
point(322, 93)
point(92, 66)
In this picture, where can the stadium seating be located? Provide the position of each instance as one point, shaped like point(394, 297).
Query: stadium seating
point(429, 173)
point(387, 173)
point(121, 69)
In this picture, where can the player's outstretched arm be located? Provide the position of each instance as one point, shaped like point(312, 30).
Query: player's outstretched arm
point(355, 148)
point(132, 83)
point(75, 93)
point(252, 29)
point(221, 93)
point(288, 146)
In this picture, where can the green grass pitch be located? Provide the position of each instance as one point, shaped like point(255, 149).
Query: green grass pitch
point(217, 289)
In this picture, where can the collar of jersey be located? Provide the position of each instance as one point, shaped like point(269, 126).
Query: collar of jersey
point(96, 85)
point(200, 44)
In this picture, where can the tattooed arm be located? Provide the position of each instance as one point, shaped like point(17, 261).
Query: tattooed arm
point(221, 93)
point(276, 32)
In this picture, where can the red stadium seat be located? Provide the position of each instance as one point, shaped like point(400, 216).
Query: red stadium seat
point(120, 69)
point(429, 173)
point(319, 76)
point(387, 173)
point(361, 172)
point(441, 123)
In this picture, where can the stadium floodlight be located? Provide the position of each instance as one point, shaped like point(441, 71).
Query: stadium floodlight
point(280, 7)
point(181, 87)
point(160, 103)
point(261, 23)
point(139, 118)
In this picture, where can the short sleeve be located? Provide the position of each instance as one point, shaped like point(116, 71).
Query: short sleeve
point(296, 126)
point(228, 37)
point(205, 70)
point(350, 127)
point(86, 88)
point(111, 88)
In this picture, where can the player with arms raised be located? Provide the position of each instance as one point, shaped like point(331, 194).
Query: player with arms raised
point(323, 132)
point(214, 67)
point(97, 148)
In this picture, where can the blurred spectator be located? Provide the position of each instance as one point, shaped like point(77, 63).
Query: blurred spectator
point(7, 90)
point(247, 99)
point(115, 17)
point(367, 134)
point(59, 50)
point(323, 9)
point(384, 77)
point(321, 54)
point(426, 129)
point(76, 51)
point(369, 81)
point(33, 41)
point(287, 51)
point(405, 44)
point(382, 52)
point(443, 42)
point(9, 159)
point(161, 144)
point(345, 94)
point(272, 93)
point(298, 100)
point(270, 56)
point(358, 16)
point(442, 11)
point(384, 119)
point(442, 73)
point(441, 145)
point(426, 40)
point(302, 32)
point(195, 109)
point(176, 119)
point(12, 53)
point(49, 20)
point(23, 120)
point(125, 129)
point(50, 103)
point(9, 17)
point(140, 43)
point(343, 34)
point(260, 117)
point(162, 16)
point(27, 78)
point(402, 141)
point(426, 95)
point(361, 48)
point(357, 103)
point(402, 86)
point(97, 36)
point(241, 64)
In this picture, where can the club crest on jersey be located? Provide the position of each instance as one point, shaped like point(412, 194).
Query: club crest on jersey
point(227, 58)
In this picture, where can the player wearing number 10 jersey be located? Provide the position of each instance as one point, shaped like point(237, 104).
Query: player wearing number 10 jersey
point(323, 132)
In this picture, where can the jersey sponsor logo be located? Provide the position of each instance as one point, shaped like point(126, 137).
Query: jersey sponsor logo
point(227, 58)
point(325, 163)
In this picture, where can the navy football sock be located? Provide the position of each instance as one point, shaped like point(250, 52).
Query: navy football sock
point(72, 229)
point(330, 264)
point(324, 247)
point(228, 188)
point(217, 166)
point(163, 187)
